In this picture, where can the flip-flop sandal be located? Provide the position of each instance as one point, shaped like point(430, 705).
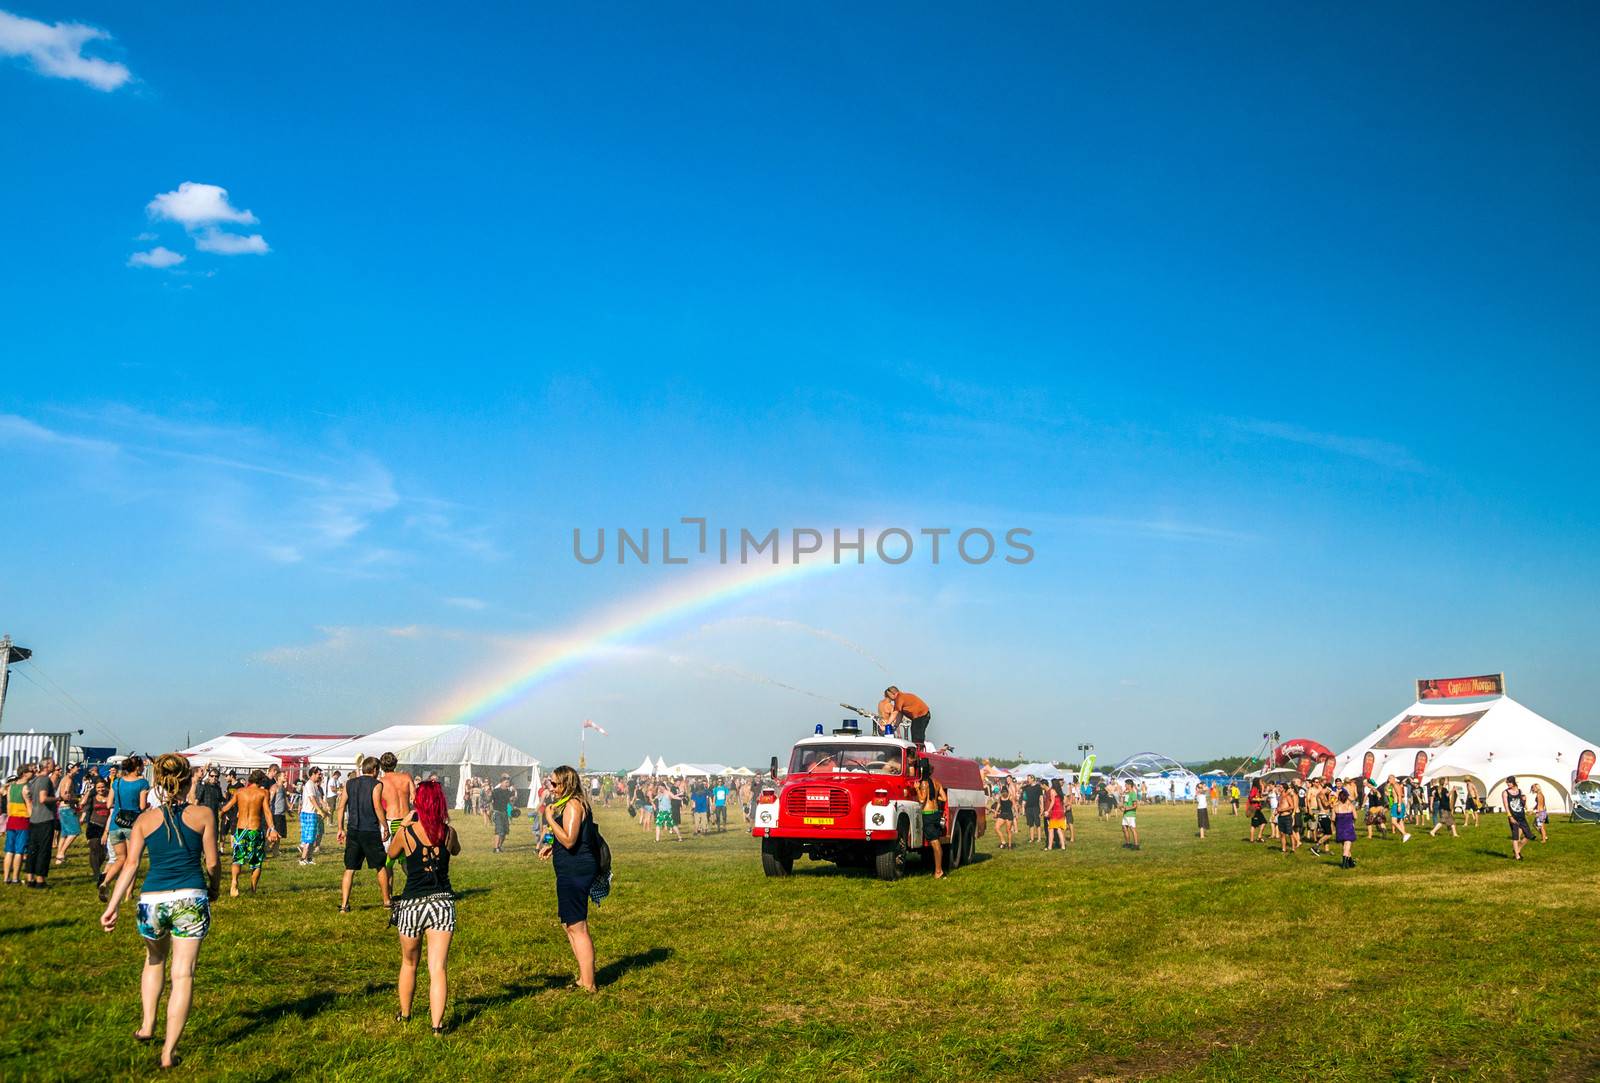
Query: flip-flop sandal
point(143, 1037)
point(176, 1060)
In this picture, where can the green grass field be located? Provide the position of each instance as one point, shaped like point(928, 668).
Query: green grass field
point(1436, 959)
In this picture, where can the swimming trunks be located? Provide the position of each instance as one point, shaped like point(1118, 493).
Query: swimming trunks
point(249, 847)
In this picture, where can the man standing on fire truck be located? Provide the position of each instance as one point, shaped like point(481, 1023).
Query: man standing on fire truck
point(906, 707)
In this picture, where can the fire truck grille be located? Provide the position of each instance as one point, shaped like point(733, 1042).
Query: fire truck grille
point(816, 801)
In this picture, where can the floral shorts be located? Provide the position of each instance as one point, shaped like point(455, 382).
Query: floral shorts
point(185, 914)
point(663, 819)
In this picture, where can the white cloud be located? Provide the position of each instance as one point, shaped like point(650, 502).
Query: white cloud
point(194, 204)
point(200, 208)
point(1155, 527)
point(474, 604)
point(56, 50)
point(158, 256)
point(1382, 452)
point(16, 429)
point(231, 244)
point(215, 240)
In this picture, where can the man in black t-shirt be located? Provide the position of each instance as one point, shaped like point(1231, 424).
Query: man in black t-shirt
point(1517, 817)
point(208, 791)
point(361, 823)
point(1032, 793)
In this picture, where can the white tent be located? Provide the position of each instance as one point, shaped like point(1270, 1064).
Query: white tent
point(644, 770)
point(293, 746)
point(1045, 771)
point(228, 753)
point(1480, 739)
point(696, 770)
point(453, 752)
point(661, 766)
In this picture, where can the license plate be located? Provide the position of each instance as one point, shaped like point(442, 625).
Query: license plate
point(826, 821)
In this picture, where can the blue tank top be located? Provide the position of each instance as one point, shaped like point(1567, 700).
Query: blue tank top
point(125, 794)
point(176, 851)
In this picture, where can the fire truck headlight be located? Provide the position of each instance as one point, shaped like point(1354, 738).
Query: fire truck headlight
point(877, 819)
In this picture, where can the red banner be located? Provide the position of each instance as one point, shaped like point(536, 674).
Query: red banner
point(1424, 731)
point(1491, 684)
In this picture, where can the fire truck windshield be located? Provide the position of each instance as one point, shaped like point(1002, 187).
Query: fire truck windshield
point(850, 757)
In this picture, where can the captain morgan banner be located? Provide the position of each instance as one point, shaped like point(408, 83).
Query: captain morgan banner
point(1490, 684)
point(1425, 731)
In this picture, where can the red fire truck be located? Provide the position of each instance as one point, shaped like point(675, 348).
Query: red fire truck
point(850, 798)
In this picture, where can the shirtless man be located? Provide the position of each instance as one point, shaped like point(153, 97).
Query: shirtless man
point(1314, 815)
point(398, 790)
point(886, 716)
point(1288, 819)
point(253, 831)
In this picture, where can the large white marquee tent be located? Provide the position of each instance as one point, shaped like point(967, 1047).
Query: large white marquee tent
point(1484, 740)
point(453, 752)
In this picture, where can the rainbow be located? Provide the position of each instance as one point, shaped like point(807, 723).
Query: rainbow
point(494, 691)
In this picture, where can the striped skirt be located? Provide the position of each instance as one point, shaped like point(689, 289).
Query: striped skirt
point(413, 917)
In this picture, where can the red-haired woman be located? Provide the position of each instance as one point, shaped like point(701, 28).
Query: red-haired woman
point(427, 907)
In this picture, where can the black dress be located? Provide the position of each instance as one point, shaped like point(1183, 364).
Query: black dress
point(576, 869)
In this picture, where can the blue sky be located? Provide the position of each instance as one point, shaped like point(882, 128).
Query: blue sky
point(1275, 326)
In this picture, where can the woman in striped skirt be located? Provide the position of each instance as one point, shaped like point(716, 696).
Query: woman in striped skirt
point(427, 907)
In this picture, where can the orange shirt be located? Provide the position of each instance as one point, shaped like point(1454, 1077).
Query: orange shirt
point(911, 706)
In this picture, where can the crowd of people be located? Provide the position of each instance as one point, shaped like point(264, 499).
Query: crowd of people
point(393, 823)
point(1047, 807)
point(1313, 812)
point(179, 821)
point(1295, 812)
point(659, 804)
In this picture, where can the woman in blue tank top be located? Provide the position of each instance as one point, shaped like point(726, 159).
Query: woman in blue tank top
point(175, 899)
point(130, 796)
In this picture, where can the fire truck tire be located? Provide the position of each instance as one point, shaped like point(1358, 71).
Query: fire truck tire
point(955, 849)
point(890, 860)
point(776, 858)
point(969, 841)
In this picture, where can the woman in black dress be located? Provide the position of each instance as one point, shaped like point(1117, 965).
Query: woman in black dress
point(570, 845)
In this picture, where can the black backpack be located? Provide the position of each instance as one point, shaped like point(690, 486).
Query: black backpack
point(602, 861)
point(601, 850)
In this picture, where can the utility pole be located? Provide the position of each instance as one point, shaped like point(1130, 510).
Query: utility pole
point(9, 653)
